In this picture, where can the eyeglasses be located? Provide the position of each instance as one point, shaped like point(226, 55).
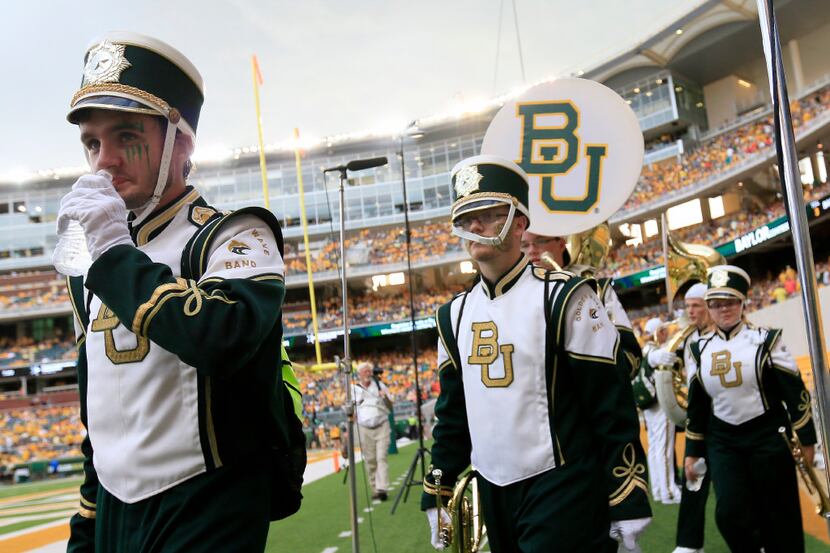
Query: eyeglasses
point(538, 242)
point(723, 304)
point(486, 218)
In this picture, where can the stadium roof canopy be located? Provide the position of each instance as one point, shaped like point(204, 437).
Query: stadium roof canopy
point(710, 41)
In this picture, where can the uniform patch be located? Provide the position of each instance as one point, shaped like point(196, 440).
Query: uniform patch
point(200, 215)
point(239, 248)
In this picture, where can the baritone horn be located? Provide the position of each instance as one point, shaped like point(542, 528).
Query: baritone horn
point(684, 263)
point(807, 472)
point(587, 251)
point(466, 528)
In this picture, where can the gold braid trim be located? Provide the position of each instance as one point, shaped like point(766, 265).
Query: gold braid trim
point(444, 492)
point(152, 99)
point(432, 489)
point(804, 407)
point(86, 513)
point(630, 470)
point(694, 435)
point(179, 285)
point(86, 503)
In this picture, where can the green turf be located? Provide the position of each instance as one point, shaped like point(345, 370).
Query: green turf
point(36, 487)
point(325, 514)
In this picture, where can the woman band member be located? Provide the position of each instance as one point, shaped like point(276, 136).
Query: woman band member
point(745, 385)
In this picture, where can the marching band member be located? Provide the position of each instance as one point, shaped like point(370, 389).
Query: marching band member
point(692, 515)
point(658, 426)
point(531, 390)
point(745, 385)
point(179, 394)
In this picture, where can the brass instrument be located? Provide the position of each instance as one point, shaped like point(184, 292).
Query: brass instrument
point(550, 261)
point(466, 528)
point(588, 250)
point(687, 262)
point(670, 381)
point(807, 472)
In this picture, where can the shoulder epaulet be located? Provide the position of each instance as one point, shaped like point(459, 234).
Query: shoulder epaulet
point(541, 272)
point(602, 286)
point(194, 258)
point(773, 334)
point(446, 333)
point(199, 215)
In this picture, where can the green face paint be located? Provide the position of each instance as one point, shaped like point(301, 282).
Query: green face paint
point(135, 152)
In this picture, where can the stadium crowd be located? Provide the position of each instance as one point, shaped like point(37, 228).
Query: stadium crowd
point(623, 260)
point(365, 309)
point(39, 433)
point(25, 351)
point(721, 153)
point(376, 247)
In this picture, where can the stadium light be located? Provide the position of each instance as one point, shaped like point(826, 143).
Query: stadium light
point(745, 84)
point(678, 32)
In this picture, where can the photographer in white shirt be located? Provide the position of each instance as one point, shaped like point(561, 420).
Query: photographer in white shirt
point(373, 404)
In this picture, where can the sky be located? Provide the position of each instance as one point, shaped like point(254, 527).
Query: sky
point(329, 67)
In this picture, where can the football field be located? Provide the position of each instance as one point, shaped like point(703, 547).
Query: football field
point(33, 517)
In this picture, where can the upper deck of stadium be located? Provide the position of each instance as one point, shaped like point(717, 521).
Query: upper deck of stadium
point(690, 82)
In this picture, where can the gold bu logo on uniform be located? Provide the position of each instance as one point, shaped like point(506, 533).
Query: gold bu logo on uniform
point(549, 151)
point(722, 365)
point(486, 350)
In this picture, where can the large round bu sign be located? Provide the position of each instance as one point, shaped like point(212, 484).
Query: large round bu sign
point(581, 146)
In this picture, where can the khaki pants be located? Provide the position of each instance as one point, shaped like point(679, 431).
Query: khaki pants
point(374, 443)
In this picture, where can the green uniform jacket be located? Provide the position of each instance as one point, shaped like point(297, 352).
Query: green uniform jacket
point(229, 329)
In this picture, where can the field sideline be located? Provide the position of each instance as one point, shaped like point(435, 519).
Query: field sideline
point(33, 518)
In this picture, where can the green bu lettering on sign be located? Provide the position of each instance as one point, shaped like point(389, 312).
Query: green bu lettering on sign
point(549, 151)
point(581, 147)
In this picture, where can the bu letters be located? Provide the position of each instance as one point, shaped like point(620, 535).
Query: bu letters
point(550, 151)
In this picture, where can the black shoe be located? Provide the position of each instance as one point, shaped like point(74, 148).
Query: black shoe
point(382, 496)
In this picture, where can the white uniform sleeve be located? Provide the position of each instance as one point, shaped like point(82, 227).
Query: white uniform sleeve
point(589, 331)
point(782, 358)
point(615, 309)
point(244, 248)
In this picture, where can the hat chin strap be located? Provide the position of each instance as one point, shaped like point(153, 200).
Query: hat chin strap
point(494, 241)
point(144, 211)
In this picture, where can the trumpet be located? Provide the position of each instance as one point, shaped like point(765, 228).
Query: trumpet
point(466, 528)
point(807, 473)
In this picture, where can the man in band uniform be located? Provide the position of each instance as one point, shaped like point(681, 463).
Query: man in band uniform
point(177, 322)
point(692, 515)
point(532, 393)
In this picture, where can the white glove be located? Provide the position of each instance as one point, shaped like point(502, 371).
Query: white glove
point(432, 516)
point(626, 532)
point(659, 357)
point(95, 204)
